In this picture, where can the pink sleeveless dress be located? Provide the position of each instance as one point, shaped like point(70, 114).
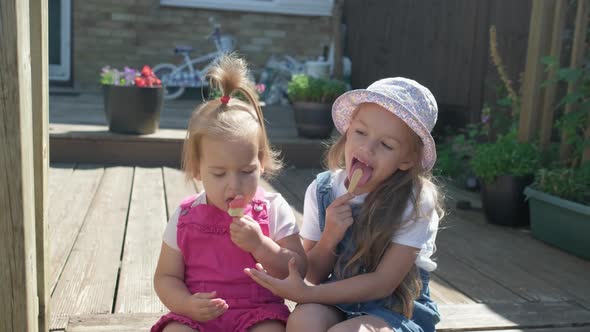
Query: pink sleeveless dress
point(212, 262)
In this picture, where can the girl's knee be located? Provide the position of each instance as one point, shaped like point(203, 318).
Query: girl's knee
point(313, 317)
point(177, 327)
point(268, 326)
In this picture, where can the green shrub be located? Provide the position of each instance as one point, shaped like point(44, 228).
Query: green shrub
point(566, 183)
point(506, 156)
point(310, 89)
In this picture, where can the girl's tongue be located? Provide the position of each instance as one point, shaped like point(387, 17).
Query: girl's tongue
point(367, 171)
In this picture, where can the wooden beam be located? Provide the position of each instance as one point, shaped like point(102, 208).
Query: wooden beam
point(577, 60)
point(541, 17)
point(337, 37)
point(555, 52)
point(18, 275)
point(586, 153)
point(40, 99)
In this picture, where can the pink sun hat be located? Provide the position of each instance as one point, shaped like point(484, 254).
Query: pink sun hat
point(407, 99)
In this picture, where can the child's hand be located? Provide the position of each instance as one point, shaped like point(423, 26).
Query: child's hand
point(203, 307)
point(291, 288)
point(246, 233)
point(338, 219)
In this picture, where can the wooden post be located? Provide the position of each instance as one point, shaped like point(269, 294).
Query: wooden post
point(555, 52)
point(541, 17)
point(18, 272)
point(577, 59)
point(40, 100)
point(586, 153)
point(337, 36)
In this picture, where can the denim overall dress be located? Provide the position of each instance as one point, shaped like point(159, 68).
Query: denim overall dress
point(425, 315)
point(212, 262)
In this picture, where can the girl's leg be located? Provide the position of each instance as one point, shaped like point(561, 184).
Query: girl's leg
point(268, 326)
point(365, 323)
point(177, 327)
point(313, 317)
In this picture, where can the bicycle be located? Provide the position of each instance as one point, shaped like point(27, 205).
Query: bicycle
point(175, 79)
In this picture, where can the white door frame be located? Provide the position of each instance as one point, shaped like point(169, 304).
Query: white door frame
point(62, 72)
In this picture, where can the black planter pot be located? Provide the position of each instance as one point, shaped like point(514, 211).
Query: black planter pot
point(133, 110)
point(313, 120)
point(504, 202)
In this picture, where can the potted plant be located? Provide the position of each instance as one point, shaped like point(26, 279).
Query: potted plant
point(505, 167)
point(559, 199)
point(132, 100)
point(559, 204)
point(312, 100)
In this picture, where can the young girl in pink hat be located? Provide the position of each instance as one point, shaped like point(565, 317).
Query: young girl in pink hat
point(200, 273)
point(369, 248)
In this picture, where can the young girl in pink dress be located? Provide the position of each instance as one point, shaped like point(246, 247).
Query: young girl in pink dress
point(200, 274)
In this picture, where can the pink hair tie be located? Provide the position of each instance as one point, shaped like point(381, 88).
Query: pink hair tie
point(224, 99)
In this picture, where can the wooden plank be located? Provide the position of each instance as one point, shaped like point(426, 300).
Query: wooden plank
point(67, 214)
point(176, 187)
point(469, 247)
point(541, 17)
point(469, 281)
point(59, 174)
point(18, 275)
point(461, 317)
point(137, 322)
point(515, 260)
point(88, 282)
point(550, 90)
point(571, 275)
point(40, 102)
point(145, 226)
point(508, 315)
point(295, 204)
point(576, 61)
point(296, 180)
point(444, 293)
point(453, 195)
point(551, 329)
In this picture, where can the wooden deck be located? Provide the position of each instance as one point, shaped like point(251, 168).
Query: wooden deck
point(106, 225)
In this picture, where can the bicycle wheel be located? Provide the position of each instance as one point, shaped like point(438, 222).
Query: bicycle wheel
point(163, 71)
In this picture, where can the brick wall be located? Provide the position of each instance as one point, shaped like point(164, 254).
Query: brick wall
point(137, 32)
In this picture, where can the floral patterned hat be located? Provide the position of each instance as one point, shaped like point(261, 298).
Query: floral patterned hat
point(405, 98)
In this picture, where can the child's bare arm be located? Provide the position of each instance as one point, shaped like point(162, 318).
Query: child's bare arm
point(172, 291)
point(169, 279)
point(320, 260)
point(394, 266)
point(322, 254)
point(275, 255)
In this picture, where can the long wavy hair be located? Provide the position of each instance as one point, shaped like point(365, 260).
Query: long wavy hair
point(235, 120)
point(380, 219)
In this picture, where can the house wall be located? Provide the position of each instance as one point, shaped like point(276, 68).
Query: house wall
point(136, 32)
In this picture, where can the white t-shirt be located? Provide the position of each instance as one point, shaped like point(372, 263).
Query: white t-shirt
point(419, 232)
point(281, 220)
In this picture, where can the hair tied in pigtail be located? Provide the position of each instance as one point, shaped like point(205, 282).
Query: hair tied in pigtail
point(224, 99)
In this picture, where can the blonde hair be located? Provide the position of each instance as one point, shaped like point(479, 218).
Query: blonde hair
point(380, 218)
point(235, 120)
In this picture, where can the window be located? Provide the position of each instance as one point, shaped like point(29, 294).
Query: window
point(59, 39)
point(292, 7)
